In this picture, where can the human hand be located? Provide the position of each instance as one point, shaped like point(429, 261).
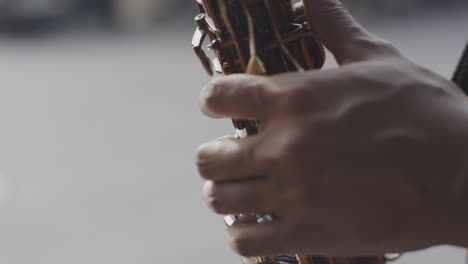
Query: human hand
point(365, 159)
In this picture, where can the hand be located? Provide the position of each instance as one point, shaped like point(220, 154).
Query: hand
point(369, 158)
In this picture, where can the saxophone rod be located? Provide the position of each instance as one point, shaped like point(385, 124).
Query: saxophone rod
point(461, 73)
point(235, 37)
point(279, 38)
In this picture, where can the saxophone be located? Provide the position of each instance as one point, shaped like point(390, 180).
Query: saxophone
point(262, 37)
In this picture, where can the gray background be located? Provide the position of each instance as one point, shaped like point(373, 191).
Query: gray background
point(97, 139)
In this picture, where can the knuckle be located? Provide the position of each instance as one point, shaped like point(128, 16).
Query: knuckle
point(296, 99)
point(388, 47)
point(282, 153)
point(260, 88)
point(268, 157)
point(368, 74)
point(246, 154)
point(297, 94)
point(290, 149)
point(377, 47)
point(332, 8)
point(359, 75)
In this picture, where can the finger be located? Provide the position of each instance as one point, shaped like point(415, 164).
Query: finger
point(268, 239)
point(238, 197)
point(229, 159)
point(313, 92)
point(237, 96)
point(340, 32)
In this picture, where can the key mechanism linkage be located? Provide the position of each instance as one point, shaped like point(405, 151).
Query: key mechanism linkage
point(262, 37)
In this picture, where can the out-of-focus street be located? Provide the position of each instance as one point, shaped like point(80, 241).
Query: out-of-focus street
point(97, 140)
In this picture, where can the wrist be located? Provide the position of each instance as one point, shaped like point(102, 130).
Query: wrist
point(444, 182)
point(456, 207)
point(458, 224)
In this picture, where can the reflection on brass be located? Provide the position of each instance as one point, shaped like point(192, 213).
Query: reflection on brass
point(255, 65)
point(262, 37)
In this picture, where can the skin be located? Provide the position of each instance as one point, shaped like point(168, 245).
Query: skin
point(365, 159)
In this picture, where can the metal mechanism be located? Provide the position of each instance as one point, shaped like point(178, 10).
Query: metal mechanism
point(261, 37)
point(282, 37)
point(461, 73)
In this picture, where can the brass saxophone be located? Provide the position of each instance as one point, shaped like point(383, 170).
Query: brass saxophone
point(262, 37)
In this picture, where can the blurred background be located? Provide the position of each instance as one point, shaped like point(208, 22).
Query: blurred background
point(99, 122)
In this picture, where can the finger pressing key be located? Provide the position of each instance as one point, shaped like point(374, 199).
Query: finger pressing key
point(238, 197)
point(229, 159)
point(237, 96)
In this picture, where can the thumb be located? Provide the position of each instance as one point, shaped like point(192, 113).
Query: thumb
point(340, 32)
